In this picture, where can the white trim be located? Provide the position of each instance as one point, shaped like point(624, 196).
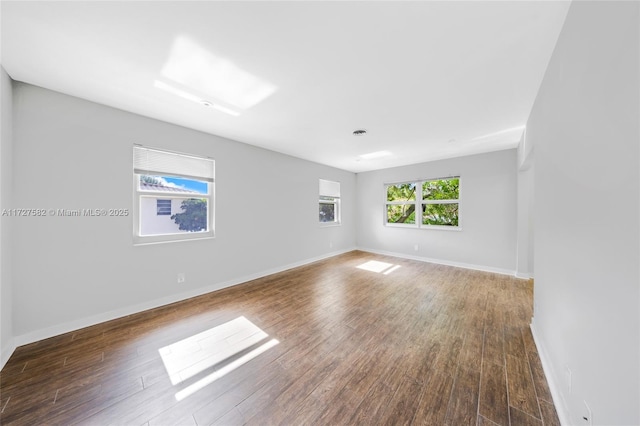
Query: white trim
point(422, 179)
point(7, 352)
point(401, 203)
point(329, 224)
point(56, 330)
point(558, 400)
point(454, 201)
point(444, 262)
point(430, 227)
point(149, 239)
point(523, 275)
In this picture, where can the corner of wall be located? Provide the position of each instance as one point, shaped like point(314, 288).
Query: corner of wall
point(525, 152)
point(8, 347)
point(552, 378)
point(7, 342)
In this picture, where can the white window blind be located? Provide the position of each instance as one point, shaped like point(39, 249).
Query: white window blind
point(329, 188)
point(154, 162)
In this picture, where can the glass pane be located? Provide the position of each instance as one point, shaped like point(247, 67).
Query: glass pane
point(173, 185)
point(401, 192)
point(441, 189)
point(327, 212)
point(401, 213)
point(440, 214)
point(187, 215)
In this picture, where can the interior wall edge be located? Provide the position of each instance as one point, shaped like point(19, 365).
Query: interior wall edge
point(523, 275)
point(7, 342)
point(80, 323)
point(549, 373)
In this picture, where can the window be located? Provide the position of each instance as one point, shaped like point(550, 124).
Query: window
point(424, 203)
point(173, 196)
point(440, 202)
point(401, 203)
point(163, 207)
point(329, 202)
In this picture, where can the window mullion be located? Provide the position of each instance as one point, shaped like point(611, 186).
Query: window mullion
point(440, 201)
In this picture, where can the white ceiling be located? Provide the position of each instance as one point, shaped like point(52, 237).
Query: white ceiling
point(428, 80)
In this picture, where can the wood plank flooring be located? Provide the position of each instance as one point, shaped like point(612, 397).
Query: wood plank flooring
point(348, 340)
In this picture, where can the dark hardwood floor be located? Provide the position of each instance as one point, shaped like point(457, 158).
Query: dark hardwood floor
point(329, 343)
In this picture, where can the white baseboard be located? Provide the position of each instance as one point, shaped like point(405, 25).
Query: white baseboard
point(443, 262)
point(7, 352)
point(558, 400)
point(56, 330)
point(523, 275)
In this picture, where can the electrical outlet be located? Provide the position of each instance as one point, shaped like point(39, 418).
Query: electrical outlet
point(330, 244)
point(415, 247)
point(568, 373)
point(181, 278)
point(587, 417)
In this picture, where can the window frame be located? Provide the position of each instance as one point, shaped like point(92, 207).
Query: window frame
point(336, 210)
point(329, 193)
point(139, 195)
point(399, 203)
point(418, 202)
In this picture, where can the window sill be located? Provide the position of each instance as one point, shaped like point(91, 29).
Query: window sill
point(428, 227)
point(442, 228)
point(145, 241)
point(329, 225)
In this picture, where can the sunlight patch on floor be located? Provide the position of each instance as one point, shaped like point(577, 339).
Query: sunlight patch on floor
point(218, 348)
point(191, 389)
point(378, 267)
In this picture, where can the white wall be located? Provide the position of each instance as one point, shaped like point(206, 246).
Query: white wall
point(487, 213)
point(6, 306)
point(72, 271)
point(585, 131)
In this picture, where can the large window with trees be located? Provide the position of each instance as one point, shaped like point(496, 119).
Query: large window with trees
point(424, 203)
point(173, 196)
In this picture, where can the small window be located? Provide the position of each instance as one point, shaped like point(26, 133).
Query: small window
point(329, 202)
point(173, 196)
point(424, 203)
point(163, 207)
point(328, 209)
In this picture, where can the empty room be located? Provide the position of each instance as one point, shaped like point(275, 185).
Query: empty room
point(320, 213)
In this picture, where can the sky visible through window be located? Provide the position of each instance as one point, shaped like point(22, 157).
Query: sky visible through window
point(196, 186)
point(192, 185)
